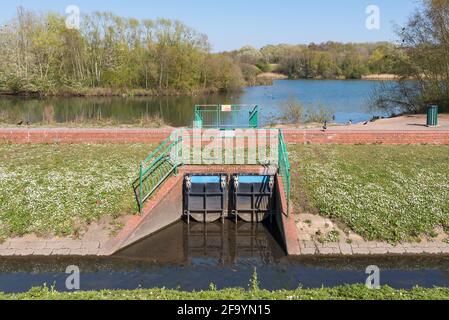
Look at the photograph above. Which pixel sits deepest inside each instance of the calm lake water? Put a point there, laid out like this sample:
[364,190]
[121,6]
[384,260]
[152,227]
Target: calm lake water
[348,100]
[191,257]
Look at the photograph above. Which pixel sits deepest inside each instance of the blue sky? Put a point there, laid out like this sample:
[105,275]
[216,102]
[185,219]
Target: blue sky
[231,24]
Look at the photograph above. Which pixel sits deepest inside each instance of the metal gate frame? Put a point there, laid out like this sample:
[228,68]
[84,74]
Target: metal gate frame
[213,116]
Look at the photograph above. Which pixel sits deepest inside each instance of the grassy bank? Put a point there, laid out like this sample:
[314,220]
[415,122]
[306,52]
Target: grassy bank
[110,92]
[354,292]
[60,189]
[391,193]
[155,122]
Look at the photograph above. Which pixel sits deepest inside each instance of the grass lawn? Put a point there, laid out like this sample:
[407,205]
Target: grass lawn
[354,292]
[388,193]
[60,189]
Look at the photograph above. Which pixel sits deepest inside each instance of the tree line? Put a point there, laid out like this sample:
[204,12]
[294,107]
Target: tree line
[40,54]
[330,60]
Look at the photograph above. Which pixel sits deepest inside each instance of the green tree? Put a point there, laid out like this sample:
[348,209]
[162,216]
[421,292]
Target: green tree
[425,58]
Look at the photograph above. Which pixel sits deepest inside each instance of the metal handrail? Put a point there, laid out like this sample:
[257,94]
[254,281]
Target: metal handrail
[159,158]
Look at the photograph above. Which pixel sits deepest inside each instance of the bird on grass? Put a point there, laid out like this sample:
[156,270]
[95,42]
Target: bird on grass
[20,123]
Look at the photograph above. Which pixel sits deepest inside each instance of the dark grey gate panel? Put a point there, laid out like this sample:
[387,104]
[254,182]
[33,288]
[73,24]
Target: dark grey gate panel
[252,197]
[205,197]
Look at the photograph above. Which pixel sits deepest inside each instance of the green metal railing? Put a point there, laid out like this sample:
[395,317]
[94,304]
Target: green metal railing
[227,116]
[156,168]
[284,168]
[168,157]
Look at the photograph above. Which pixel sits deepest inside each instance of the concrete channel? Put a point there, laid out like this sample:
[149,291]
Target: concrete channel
[207,194]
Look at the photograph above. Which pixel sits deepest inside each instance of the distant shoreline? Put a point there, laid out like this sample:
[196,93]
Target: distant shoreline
[381,77]
[109,92]
[272,76]
[263,79]
[280,76]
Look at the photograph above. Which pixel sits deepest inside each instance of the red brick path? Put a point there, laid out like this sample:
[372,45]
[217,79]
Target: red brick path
[76,136]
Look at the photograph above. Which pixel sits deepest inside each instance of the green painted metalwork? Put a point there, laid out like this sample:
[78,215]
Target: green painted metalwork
[254,118]
[432,116]
[156,168]
[168,157]
[284,168]
[226,116]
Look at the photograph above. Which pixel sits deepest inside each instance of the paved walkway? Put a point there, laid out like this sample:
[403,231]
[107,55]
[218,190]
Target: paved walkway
[403,123]
[52,248]
[96,241]
[311,227]
[401,130]
[371,248]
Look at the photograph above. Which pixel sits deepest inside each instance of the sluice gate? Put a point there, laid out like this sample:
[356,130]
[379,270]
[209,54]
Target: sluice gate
[208,198]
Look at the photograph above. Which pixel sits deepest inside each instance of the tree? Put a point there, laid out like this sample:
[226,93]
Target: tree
[425,59]
[39,54]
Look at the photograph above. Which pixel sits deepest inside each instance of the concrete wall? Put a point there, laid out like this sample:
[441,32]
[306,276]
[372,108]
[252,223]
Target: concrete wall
[162,210]
[166,208]
[286,222]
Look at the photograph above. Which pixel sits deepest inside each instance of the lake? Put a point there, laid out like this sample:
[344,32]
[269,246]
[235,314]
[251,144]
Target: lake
[348,100]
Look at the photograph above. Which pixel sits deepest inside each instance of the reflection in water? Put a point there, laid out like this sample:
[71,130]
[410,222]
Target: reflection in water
[175,111]
[348,100]
[209,243]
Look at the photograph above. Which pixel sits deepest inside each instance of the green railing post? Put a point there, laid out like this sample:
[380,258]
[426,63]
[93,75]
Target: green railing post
[177,162]
[141,187]
[284,168]
[198,117]
[254,118]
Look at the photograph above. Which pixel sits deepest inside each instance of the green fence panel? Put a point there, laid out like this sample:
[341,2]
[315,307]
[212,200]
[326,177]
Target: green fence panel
[226,116]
